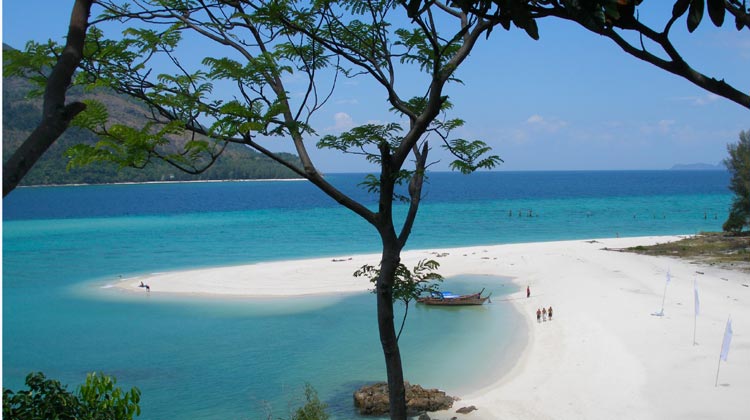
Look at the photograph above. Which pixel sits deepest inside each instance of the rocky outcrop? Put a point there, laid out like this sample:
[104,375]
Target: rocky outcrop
[373,399]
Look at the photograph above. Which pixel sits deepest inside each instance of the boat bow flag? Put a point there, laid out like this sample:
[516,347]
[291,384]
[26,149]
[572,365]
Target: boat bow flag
[727,340]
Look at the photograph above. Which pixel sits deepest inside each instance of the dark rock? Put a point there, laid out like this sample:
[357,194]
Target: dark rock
[424,416]
[373,399]
[466,410]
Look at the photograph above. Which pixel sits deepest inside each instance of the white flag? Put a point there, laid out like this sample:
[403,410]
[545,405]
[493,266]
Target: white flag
[697,300]
[727,340]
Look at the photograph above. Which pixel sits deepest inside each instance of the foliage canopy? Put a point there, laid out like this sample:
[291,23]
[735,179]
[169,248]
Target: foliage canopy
[738,164]
[408,285]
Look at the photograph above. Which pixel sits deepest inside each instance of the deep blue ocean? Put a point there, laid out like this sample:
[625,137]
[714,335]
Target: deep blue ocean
[249,359]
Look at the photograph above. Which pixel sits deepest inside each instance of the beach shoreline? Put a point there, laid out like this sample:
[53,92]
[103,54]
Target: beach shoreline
[197,181]
[605,354]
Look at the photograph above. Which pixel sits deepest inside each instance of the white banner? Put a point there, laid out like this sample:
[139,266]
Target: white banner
[727,340]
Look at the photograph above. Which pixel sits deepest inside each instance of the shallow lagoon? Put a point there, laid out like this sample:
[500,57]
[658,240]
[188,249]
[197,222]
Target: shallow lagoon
[204,358]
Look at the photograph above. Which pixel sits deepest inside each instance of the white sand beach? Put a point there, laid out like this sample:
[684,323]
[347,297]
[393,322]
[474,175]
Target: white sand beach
[603,356]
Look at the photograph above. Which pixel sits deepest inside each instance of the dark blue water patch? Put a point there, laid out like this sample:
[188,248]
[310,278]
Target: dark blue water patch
[156,199]
[182,198]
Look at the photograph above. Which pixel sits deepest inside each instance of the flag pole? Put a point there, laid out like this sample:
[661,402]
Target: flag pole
[717,372]
[663,298]
[696,304]
[664,295]
[695,326]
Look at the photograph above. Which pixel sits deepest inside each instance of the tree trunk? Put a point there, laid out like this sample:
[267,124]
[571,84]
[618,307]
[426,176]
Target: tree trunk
[56,116]
[388,340]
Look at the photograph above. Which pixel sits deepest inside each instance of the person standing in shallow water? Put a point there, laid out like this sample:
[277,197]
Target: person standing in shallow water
[544,314]
[528,291]
[538,315]
[549,313]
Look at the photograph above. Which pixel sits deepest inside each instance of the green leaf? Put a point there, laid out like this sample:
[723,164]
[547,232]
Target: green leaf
[679,8]
[471,155]
[716,11]
[93,117]
[611,10]
[408,284]
[532,29]
[695,15]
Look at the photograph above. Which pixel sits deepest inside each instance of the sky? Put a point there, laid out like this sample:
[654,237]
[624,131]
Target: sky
[570,101]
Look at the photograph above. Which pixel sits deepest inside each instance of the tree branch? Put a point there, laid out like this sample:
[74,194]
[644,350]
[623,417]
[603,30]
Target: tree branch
[415,193]
[56,115]
[676,65]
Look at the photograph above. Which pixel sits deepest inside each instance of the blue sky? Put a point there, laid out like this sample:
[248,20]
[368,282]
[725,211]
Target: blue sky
[570,101]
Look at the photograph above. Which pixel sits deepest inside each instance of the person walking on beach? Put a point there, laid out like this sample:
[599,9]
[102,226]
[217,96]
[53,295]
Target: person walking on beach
[549,312]
[538,315]
[544,314]
[528,291]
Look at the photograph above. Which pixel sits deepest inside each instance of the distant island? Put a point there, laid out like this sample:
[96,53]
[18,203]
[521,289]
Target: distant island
[698,167]
[21,114]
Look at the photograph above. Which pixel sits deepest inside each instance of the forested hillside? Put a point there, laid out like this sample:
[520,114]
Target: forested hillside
[20,116]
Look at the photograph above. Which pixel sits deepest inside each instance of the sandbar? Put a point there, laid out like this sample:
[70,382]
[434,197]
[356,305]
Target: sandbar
[605,355]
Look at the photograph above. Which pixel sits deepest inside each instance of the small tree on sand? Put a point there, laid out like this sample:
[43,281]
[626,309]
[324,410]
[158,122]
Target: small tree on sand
[738,164]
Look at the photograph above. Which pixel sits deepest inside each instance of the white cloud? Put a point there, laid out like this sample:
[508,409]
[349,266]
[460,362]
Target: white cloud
[341,122]
[550,125]
[518,136]
[535,119]
[664,126]
[700,100]
[661,127]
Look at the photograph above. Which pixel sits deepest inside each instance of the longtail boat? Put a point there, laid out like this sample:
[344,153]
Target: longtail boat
[448,299]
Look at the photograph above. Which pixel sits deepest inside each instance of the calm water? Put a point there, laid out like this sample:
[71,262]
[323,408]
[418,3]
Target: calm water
[244,359]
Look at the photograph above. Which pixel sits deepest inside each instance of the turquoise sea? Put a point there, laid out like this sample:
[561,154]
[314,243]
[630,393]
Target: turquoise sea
[249,359]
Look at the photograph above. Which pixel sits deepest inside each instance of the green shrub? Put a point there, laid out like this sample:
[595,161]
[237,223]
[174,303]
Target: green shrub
[313,409]
[734,223]
[96,399]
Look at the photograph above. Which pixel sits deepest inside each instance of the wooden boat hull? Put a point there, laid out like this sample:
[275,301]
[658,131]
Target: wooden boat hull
[475,299]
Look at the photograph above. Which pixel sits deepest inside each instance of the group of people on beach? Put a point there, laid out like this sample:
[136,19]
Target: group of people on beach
[542,314]
[148,288]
